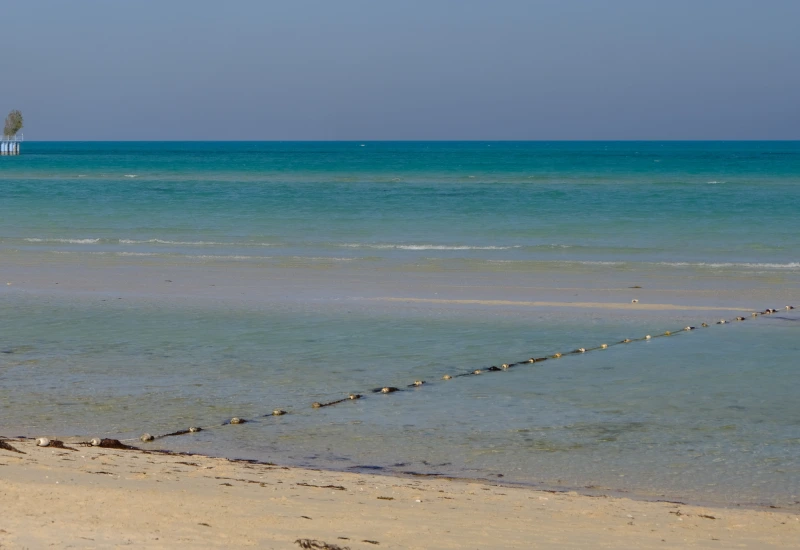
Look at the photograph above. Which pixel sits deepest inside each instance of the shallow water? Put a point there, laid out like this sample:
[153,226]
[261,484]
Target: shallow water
[232,282]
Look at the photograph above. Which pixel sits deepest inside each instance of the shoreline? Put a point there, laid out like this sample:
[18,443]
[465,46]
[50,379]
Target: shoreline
[100,497]
[588,491]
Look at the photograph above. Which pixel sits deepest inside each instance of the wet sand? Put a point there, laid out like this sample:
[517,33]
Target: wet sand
[91,497]
[633,306]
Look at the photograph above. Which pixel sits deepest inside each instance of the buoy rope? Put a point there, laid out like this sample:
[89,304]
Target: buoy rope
[418,383]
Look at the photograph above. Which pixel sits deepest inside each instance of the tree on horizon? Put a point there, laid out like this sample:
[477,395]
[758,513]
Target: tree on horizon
[13,124]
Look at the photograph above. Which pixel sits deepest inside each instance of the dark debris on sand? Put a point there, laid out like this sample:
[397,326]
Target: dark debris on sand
[319,545]
[111,444]
[8,447]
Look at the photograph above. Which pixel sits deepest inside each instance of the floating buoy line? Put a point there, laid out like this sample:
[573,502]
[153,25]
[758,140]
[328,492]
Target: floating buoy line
[147,438]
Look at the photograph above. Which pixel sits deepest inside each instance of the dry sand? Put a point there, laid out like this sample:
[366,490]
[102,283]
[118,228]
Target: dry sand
[94,497]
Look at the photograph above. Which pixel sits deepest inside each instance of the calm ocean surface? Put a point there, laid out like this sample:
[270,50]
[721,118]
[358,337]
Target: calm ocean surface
[199,281]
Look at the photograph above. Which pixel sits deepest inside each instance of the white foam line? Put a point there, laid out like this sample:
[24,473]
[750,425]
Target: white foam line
[791,265]
[191,243]
[424,246]
[65,241]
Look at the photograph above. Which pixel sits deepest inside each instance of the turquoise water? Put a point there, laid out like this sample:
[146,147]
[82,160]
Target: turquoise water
[642,202]
[153,286]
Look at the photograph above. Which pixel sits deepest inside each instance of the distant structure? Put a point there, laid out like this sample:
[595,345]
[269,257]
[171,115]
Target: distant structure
[10,142]
[10,145]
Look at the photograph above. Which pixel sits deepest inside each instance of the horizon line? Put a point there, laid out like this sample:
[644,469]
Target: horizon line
[406,140]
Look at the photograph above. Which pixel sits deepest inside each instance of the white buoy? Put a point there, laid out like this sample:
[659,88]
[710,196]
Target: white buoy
[194,429]
[95,441]
[446,377]
[42,442]
[634,301]
[146,437]
[647,337]
[604,346]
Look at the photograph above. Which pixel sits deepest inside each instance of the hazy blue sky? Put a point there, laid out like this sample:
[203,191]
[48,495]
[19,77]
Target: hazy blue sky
[407,69]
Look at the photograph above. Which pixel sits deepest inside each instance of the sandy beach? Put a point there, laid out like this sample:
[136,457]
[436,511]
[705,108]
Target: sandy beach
[91,497]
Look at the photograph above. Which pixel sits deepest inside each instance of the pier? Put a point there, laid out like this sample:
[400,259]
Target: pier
[10,145]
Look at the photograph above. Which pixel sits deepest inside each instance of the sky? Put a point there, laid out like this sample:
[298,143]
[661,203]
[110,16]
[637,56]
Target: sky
[402,69]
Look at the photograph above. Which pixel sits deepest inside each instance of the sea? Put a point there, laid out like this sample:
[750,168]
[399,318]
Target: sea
[149,287]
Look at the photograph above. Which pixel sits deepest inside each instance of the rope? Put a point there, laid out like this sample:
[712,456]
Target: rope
[351,397]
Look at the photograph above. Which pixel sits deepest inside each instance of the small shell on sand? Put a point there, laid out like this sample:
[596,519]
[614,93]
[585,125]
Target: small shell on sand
[237,420]
[146,437]
[42,442]
[95,441]
[195,429]
[278,412]
[446,377]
